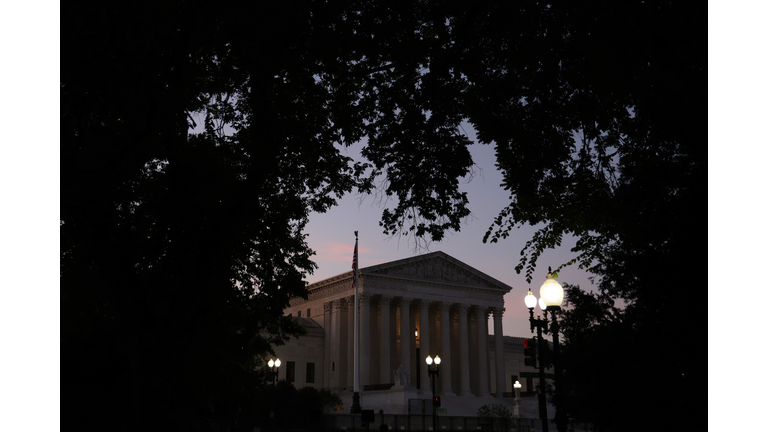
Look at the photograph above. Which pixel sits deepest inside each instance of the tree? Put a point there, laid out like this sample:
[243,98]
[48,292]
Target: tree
[497,414]
[330,401]
[178,254]
[180,251]
[598,114]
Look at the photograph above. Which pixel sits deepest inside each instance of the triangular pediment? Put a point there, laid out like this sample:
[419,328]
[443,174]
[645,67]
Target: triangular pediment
[436,267]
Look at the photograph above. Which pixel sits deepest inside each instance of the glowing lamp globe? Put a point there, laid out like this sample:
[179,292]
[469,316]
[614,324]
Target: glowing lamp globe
[429,360]
[518,385]
[530,300]
[277,362]
[542,305]
[551,292]
[437,360]
[271,363]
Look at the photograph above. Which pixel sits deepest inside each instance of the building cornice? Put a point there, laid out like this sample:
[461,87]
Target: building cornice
[418,276]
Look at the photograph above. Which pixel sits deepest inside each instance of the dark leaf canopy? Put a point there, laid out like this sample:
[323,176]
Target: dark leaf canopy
[596,110]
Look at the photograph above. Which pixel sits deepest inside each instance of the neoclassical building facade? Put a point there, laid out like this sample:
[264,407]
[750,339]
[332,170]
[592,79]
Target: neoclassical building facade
[431,304]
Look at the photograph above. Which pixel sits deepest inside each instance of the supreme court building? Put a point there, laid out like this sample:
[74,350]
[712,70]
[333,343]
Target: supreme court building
[431,304]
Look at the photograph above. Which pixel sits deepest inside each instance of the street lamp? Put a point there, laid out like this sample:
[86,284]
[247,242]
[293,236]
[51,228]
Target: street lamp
[550,301]
[551,292]
[274,367]
[516,412]
[530,300]
[434,370]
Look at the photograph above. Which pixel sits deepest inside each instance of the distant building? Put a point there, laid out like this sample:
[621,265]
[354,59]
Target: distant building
[441,305]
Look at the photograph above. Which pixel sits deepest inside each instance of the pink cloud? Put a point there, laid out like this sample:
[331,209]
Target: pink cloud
[338,252]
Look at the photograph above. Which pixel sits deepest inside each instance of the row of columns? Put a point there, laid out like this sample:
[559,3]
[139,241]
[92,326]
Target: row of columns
[339,353]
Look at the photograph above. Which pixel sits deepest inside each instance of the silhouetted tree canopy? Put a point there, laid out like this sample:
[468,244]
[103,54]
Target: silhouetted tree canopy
[598,112]
[179,250]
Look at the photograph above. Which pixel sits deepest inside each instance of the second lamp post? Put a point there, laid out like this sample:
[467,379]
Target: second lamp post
[274,367]
[550,301]
[434,370]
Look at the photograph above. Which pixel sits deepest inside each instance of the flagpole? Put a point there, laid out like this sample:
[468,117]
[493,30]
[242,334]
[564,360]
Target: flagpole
[356,408]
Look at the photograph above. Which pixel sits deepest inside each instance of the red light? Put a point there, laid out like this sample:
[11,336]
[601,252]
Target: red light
[525,343]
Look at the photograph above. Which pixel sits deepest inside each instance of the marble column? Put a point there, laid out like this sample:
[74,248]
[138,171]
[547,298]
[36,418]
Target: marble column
[498,338]
[365,339]
[482,350]
[464,387]
[385,369]
[445,349]
[424,346]
[343,364]
[405,333]
[327,307]
[335,342]
[350,342]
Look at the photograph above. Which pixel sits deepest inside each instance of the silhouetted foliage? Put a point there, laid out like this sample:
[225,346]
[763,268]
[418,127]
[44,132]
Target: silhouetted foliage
[283,407]
[179,251]
[496,415]
[598,112]
[494,411]
[617,359]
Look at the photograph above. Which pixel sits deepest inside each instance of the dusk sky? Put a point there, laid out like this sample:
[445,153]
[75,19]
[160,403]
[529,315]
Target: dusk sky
[332,236]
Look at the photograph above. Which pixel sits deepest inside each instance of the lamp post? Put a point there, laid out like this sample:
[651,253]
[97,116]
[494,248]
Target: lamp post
[539,324]
[550,301]
[434,370]
[516,412]
[274,367]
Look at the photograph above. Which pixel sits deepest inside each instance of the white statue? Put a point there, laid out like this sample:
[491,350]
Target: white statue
[402,377]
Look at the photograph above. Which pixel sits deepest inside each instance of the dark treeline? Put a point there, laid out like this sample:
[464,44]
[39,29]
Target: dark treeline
[180,251]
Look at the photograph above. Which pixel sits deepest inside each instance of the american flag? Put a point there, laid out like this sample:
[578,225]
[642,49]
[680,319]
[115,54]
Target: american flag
[354,266]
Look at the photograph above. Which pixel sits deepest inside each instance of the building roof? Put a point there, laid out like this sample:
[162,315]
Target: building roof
[308,322]
[434,276]
[443,268]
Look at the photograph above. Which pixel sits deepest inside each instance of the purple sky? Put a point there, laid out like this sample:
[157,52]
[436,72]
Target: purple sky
[331,235]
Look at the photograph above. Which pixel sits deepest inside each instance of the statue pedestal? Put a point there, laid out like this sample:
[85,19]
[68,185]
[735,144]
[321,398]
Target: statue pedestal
[392,401]
[356,408]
